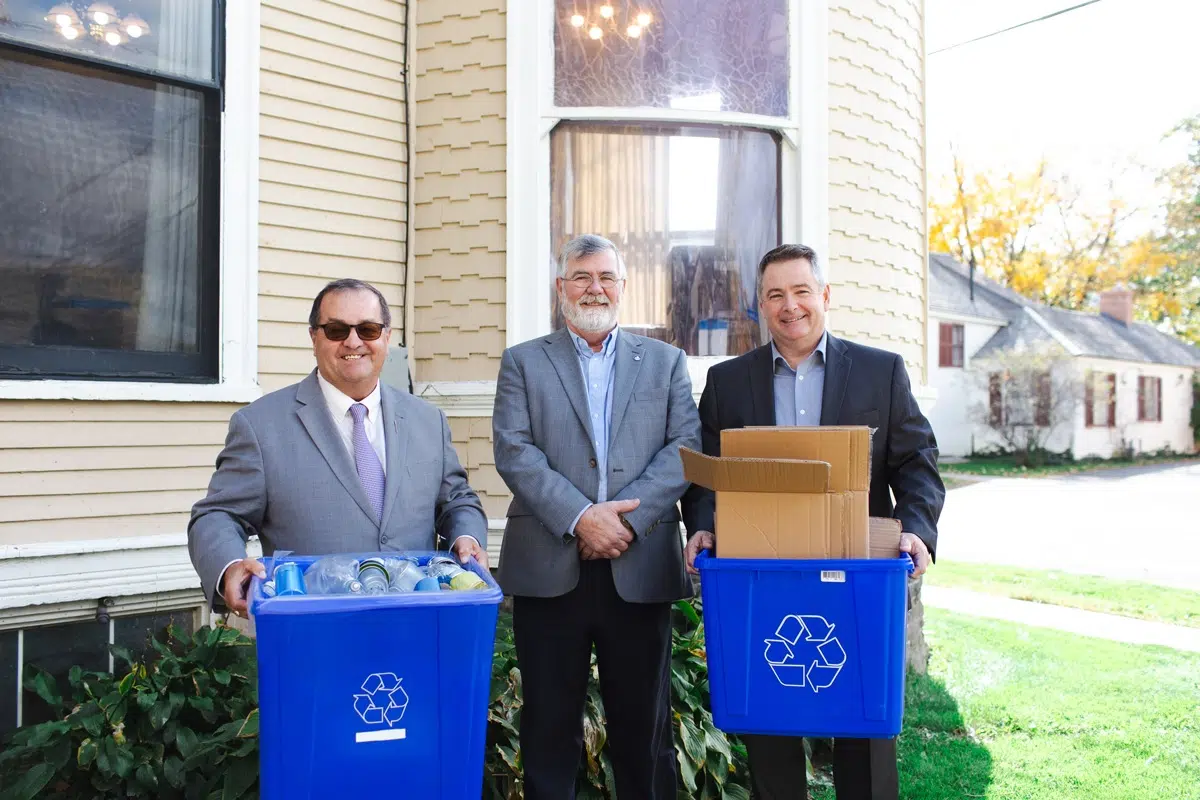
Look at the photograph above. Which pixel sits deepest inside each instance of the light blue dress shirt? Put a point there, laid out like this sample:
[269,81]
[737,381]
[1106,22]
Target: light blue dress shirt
[798,391]
[598,382]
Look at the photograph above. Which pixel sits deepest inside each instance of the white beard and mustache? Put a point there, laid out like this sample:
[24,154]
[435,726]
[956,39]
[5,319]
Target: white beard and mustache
[592,314]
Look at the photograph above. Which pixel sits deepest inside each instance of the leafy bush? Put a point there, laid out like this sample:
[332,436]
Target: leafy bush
[184,725]
[711,765]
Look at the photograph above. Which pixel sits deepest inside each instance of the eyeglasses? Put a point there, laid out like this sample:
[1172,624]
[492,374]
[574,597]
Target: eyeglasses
[583,280]
[340,331]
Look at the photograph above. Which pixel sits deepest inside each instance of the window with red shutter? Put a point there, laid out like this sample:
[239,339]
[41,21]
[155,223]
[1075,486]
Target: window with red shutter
[1089,399]
[995,400]
[950,345]
[1044,399]
[1111,388]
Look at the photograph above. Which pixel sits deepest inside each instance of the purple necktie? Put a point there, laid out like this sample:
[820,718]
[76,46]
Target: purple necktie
[370,471]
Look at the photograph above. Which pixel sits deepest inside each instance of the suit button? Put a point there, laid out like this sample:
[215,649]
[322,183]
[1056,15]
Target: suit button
[383,540]
[591,462]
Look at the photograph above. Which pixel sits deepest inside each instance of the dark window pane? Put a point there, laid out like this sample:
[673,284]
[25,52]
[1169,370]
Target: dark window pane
[56,649]
[8,683]
[705,55]
[692,210]
[173,37]
[102,223]
[134,633]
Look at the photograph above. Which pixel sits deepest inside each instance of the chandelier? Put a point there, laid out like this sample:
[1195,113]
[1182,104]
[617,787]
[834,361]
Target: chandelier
[98,20]
[606,21]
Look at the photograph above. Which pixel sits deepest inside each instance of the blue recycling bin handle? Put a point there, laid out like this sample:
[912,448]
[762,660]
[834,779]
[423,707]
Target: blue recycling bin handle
[707,554]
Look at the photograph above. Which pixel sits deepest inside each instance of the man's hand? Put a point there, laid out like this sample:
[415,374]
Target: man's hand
[237,583]
[911,543]
[600,531]
[701,540]
[466,547]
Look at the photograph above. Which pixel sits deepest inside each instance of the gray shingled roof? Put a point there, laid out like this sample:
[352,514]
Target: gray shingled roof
[950,291]
[1089,334]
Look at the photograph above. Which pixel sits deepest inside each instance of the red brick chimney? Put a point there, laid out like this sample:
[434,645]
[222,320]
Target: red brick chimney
[1117,304]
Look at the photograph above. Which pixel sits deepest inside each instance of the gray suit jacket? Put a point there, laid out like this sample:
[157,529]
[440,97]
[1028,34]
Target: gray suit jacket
[543,446]
[285,475]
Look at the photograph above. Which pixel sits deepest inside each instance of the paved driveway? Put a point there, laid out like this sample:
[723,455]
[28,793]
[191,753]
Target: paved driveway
[1141,523]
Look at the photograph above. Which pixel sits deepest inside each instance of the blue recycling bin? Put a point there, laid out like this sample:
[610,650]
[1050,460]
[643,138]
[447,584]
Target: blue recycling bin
[374,696]
[806,647]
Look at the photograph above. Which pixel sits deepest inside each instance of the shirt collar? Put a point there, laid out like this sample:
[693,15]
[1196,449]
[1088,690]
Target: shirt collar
[585,349]
[339,403]
[776,357]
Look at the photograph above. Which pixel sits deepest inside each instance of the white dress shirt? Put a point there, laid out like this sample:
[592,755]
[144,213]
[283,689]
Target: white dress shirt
[339,409]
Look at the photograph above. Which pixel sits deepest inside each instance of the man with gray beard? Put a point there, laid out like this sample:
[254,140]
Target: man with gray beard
[587,428]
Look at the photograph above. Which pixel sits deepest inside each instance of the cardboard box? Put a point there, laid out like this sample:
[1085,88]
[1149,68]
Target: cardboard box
[884,534]
[847,451]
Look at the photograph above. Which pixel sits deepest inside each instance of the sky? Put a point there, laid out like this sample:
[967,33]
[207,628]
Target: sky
[1092,91]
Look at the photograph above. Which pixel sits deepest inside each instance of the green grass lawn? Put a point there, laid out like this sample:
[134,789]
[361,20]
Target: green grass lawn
[1015,713]
[1127,598]
[1005,466]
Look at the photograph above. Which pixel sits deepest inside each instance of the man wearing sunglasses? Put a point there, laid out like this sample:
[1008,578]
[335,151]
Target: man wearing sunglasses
[337,463]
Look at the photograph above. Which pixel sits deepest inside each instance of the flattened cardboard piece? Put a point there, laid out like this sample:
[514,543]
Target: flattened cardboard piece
[885,537]
[754,474]
[846,448]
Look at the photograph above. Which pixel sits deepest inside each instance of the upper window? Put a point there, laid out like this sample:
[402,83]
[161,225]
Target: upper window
[110,151]
[692,209]
[950,345]
[723,55]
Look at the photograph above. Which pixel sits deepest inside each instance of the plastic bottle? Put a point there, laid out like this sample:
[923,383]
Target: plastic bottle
[373,576]
[403,574]
[333,575]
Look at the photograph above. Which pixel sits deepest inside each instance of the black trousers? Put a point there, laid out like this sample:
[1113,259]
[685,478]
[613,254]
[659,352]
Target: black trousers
[863,769]
[554,638]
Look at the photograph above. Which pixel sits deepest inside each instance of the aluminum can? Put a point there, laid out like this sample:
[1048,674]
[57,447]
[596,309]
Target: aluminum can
[289,580]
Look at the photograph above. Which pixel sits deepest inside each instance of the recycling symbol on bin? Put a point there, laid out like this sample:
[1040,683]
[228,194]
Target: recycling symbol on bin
[384,699]
[804,652]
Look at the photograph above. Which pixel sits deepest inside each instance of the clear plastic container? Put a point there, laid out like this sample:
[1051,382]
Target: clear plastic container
[333,575]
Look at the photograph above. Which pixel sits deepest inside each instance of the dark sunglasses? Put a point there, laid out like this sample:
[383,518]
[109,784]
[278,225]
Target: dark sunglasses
[340,331]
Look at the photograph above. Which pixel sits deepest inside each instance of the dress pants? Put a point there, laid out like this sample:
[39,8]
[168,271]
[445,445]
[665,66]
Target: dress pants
[863,769]
[554,638]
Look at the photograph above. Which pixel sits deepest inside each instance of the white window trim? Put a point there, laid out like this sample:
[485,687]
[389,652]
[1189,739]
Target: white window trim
[531,115]
[238,346]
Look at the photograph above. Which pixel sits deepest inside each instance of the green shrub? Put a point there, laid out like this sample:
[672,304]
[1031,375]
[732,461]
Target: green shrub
[711,764]
[183,725]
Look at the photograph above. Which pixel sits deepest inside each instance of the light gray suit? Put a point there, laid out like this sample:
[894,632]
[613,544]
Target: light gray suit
[543,448]
[285,475]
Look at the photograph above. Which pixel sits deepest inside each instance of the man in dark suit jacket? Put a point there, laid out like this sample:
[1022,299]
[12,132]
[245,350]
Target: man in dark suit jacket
[804,376]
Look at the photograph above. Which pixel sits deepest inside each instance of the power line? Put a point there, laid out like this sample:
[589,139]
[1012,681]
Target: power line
[1014,27]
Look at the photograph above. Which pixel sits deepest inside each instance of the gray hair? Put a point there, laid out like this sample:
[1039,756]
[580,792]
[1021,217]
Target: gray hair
[792,252]
[587,245]
[344,285]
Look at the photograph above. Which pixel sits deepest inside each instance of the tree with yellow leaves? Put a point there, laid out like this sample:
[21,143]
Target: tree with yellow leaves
[1174,289]
[1039,236]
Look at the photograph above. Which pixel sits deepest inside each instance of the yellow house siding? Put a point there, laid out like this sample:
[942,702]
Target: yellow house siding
[72,470]
[472,438]
[877,175]
[332,166]
[459,186]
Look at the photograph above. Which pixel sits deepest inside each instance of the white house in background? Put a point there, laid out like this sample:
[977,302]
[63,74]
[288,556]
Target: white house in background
[1137,380]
